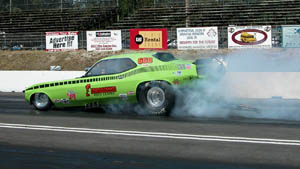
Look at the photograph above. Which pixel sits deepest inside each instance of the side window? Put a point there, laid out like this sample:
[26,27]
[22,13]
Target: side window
[111,66]
[164,56]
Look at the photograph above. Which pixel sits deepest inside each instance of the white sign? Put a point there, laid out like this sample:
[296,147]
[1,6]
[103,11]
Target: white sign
[197,38]
[291,36]
[60,41]
[249,37]
[108,40]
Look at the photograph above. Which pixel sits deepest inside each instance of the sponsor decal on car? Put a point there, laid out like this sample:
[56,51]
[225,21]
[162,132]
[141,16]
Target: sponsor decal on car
[92,105]
[72,95]
[123,96]
[63,101]
[176,82]
[177,73]
[100,91]
[181,67]
[131,93]
[188,66]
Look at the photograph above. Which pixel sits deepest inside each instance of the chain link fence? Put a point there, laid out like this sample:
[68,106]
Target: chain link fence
[37,41]
[182,3]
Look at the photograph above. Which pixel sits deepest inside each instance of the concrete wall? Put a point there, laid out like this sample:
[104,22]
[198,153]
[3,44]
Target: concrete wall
[18,80]
[236,84]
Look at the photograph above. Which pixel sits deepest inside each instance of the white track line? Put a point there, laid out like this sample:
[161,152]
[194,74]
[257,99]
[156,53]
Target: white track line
[153,134]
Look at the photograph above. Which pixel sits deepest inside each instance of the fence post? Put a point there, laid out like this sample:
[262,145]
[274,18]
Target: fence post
[42,33]
[187,13]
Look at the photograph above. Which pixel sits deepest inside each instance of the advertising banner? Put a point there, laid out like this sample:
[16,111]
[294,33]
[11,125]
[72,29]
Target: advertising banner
[60,41]
[148,39]
[291,36]
[107,40]
[197,38]
[249,37]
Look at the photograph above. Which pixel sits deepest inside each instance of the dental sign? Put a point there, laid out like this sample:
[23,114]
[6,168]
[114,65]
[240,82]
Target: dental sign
[249,37]
[197,38]
[104,40]
[148,39]
[61,41]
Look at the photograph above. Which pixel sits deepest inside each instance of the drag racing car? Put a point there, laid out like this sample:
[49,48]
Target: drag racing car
[147,79]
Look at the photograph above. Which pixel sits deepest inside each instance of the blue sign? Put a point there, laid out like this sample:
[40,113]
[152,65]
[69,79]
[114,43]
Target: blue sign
[291,36]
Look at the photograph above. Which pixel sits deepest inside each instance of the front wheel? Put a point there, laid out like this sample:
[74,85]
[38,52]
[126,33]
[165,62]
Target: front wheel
[156,98]
[41,101]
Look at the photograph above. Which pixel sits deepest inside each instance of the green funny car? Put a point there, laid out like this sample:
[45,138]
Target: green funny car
[143,78]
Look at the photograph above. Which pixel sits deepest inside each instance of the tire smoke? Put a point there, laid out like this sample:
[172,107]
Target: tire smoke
[258,83]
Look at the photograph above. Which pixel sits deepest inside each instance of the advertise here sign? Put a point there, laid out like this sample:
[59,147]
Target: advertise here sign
[104,40]
[291,36]
[197,38]
[60,41]
[249,37]
[148,39]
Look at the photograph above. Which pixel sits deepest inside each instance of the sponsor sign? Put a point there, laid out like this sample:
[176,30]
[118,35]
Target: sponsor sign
[197,38]
[60,41]
[291,36]
[148,39]
[249,37]
[108,40]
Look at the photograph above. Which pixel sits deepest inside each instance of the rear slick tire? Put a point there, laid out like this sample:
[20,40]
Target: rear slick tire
[156,98]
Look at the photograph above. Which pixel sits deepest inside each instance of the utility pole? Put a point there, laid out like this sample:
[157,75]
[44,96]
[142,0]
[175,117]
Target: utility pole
[187,13]
[119,9]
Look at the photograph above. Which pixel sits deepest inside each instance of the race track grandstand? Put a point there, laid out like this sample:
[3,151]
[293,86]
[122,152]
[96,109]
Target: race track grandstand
[27,27]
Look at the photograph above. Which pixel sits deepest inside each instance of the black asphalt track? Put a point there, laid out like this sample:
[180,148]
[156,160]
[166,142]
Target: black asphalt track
[28,148]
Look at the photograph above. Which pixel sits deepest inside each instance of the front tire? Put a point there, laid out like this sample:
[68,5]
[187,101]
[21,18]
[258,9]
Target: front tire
[41,101]
[156,98]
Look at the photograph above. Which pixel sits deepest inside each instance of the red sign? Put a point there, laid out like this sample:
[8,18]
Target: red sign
[110,89]
[148,39]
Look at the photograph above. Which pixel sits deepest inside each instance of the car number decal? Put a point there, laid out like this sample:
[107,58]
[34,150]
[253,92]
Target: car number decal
[145,60]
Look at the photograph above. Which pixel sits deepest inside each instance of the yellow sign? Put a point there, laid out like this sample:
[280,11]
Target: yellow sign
[151,39]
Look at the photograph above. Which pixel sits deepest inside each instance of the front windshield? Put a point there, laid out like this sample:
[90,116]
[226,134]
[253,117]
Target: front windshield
[111,66]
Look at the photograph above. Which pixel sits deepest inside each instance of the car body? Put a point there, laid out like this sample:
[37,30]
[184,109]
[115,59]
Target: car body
[116,79]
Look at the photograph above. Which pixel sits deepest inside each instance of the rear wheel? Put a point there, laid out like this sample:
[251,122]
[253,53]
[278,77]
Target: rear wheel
[156,98]
[41,101]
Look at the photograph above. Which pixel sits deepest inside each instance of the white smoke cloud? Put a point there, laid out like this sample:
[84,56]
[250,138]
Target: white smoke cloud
[253,77]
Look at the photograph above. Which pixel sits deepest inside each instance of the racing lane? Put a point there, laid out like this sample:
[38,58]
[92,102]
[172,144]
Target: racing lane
[79,139]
